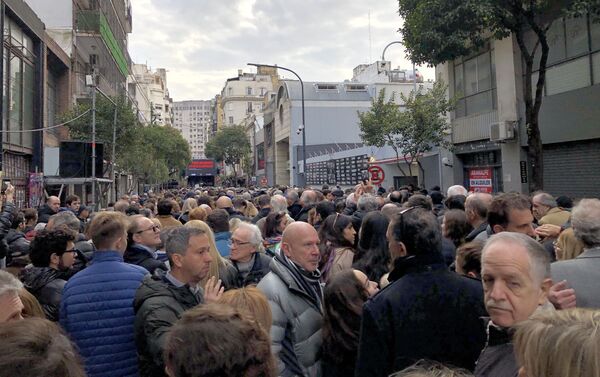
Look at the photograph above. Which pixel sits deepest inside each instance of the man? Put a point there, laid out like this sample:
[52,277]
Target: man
[515,271]
[456,190]
[143,238]
[96,307]
[164,209]
[247,255]
[509,213]
[218,221]
[11,306]
[50,208]
[225,203]
[295,296]
[293,206]
[476,209]
[427,312]
[546,211]
[52,255]
[582,274]
[278,204]
[161,299]
[264,203]
[73,203]
[18,244]
[308,200]
[366,203]
[121,205]
[85,248]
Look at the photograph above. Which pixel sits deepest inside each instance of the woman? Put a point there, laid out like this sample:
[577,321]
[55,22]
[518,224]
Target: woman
[275,223]
[252,302]
[220,268]
[337,237]
[188,205]
[343,302]
[455,228]
[562,343]
[373,255]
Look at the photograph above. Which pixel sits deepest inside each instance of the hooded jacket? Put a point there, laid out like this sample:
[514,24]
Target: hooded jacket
[158,305]
[46,284]
[297,319]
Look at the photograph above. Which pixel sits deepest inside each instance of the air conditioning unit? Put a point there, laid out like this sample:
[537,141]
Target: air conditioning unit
[502,131]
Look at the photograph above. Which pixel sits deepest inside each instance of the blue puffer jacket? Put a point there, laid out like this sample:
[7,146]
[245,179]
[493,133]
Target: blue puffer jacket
[97,312]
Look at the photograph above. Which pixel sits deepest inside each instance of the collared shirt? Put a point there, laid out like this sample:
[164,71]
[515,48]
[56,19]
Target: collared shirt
[195,290]
[148,249]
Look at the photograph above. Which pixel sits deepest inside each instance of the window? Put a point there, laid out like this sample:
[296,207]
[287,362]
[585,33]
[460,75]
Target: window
[356,88]
[230,91]
[263,91]
[249,91]
[230,120]
[326,87]
[249,110]
[474,84]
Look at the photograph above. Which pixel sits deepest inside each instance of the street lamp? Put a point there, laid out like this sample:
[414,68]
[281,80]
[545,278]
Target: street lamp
[302,127]
[413,63]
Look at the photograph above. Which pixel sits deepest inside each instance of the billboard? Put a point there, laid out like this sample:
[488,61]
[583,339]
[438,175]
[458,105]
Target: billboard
[480,180]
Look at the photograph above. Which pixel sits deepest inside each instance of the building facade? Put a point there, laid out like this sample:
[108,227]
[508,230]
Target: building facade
[194,120]
[154,104]
[488,130]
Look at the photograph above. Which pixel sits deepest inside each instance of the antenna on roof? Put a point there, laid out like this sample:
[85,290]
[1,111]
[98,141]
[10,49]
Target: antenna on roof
[370,44]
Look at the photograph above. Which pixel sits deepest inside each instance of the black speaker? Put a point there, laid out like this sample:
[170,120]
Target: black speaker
[75,159]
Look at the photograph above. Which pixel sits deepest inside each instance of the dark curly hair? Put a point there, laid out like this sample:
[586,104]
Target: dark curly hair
[47,243]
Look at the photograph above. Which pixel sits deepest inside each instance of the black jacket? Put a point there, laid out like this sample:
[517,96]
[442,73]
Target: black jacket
[259,269]
[46,284]
[18,245]
[427,312]
[158,305]
[303,214]
[6,218]
[140,256]
[44,214]
[498,357]
[294,210]
[264,212]
[481,228]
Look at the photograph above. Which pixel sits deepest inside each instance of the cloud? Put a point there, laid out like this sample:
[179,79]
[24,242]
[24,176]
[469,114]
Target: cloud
[203,42]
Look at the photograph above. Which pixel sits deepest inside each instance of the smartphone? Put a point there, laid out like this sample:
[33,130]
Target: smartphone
[5,183]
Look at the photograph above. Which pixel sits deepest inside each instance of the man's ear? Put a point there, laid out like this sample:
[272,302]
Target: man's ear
[546,284]
[402,249]
[285,247]
[54,258]
[471,274]
[498,229]
[177,259]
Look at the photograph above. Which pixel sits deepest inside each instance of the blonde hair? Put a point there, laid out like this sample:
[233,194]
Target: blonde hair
[250,210]
[234,223]
[188,205]
[569,245]
[427,368]
[252,302]
[31,306]
[197,213]
[218,261]
[106,228]
[564,343]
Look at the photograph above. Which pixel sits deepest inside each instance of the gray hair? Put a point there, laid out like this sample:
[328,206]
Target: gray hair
[178,239]
[585,219]
[367,203]
[309,197]
[292,195]
[539,259]
[65,218]
[456,190]
[256,239]
[278,204]
[546,199]
[9,284]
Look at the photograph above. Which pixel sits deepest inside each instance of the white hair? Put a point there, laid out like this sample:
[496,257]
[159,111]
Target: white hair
[585,219]
[456,190]
[278,204]
[256,239]
[9,284]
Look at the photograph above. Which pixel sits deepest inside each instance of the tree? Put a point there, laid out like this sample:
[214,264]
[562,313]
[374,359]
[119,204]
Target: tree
[229,145]
[437,31]
[412,132]
[153,153]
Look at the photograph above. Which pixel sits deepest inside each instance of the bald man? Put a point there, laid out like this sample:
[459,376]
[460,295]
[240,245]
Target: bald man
[295,296]
[50,208]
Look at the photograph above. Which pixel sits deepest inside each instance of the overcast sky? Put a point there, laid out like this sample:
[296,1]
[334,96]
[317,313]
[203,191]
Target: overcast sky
[203,42]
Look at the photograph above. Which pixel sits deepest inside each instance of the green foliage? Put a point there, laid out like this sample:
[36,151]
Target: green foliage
[410,133]
[153,153]
[229,145]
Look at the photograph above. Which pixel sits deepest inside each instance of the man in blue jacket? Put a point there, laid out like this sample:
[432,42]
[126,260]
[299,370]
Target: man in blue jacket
[97,303]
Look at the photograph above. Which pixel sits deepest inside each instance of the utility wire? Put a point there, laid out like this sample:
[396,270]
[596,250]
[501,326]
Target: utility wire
[48,128]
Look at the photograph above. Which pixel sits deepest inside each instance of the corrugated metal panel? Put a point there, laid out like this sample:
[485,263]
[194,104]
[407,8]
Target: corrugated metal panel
[572,169]
[472,128]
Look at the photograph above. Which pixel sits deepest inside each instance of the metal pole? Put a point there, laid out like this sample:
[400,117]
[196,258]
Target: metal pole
[413,63]
[2,73]
[113,189]
[94,139]
[303,125]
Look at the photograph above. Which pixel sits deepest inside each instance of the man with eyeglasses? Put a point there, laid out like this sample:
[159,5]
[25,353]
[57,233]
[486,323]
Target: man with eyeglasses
[427,311]
[52,255]
[143,238]
[247,255]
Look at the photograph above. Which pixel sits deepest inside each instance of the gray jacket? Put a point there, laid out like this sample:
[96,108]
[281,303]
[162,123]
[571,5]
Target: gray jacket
[297,321]
[583,275]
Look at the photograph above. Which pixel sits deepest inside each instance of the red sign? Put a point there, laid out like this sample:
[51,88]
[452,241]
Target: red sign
[201,164]
[480,180]
[377,174]
[264,181]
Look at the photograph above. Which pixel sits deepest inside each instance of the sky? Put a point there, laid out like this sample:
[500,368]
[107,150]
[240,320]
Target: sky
[202,43]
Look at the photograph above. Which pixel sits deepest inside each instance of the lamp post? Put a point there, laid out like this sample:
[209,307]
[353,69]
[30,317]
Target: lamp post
[413,63]
[302,127]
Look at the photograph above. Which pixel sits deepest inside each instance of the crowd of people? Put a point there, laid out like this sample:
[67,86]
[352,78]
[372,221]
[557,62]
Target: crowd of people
[302,282]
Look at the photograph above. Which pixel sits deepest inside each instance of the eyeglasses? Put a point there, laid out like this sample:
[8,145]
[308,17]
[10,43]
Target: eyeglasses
[401,219]
[236,243]
[153,228]
[74,251]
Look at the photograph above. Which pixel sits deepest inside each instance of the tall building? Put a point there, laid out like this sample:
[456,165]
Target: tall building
[154,104]
[93,33]
[194,119]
